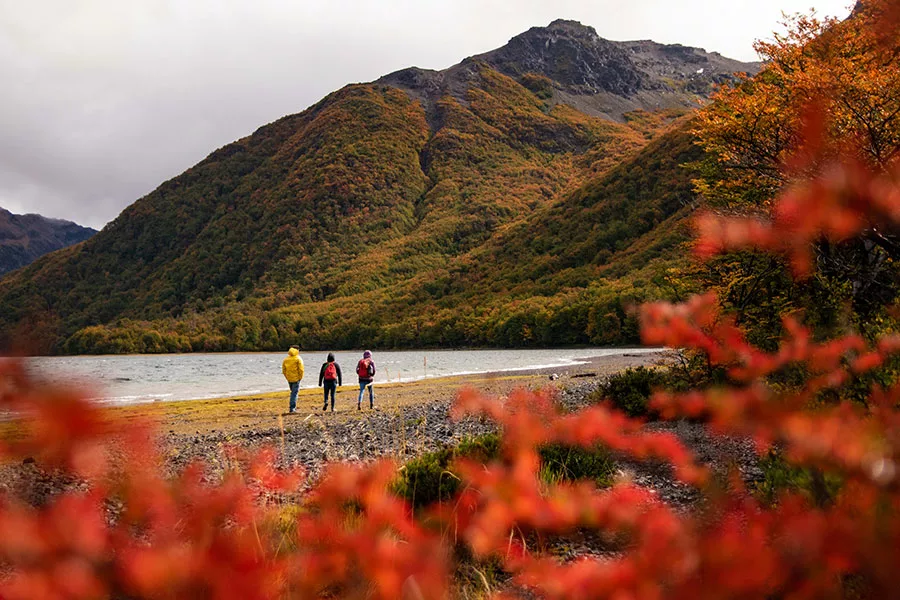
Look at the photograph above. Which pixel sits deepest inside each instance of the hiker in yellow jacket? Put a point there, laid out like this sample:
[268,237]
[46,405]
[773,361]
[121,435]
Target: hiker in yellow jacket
[292,368]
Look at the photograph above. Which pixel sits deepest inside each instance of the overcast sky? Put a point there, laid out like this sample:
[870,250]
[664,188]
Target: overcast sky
[102,100]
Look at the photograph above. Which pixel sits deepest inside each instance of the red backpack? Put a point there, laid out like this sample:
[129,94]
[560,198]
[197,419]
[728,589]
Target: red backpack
[362,368]
[330,372]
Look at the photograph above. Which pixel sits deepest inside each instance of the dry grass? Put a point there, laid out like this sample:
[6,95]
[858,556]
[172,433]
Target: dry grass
[264,410]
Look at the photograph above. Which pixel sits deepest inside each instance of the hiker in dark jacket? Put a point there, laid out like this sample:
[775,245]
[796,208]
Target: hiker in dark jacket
[330,375]
[365,369]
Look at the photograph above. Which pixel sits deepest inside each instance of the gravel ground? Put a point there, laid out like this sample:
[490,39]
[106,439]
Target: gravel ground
[406,430]
[320,438]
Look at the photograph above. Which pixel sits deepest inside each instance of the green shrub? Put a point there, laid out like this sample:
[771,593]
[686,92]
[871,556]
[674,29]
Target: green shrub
[779,477]
[630,390]
[483,447]
[429,478]
[569,463]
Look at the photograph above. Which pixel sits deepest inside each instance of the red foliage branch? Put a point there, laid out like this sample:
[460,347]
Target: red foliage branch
[834,206]
[386,553]
[187,537]
[794,548]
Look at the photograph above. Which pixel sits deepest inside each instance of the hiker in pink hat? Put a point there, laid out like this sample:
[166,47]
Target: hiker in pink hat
[365,369]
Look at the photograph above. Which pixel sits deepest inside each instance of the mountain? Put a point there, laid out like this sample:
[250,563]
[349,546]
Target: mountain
[479,205]
[23,238]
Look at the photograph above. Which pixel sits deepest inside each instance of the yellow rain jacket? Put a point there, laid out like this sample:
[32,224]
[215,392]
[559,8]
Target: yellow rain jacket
[292,367]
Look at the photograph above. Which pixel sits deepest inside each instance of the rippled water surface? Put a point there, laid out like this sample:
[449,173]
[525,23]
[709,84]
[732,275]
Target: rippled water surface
[148,378]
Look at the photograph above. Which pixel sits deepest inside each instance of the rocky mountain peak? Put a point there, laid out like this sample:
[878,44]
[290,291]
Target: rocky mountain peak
[571,54]
[597,76]
[571,28]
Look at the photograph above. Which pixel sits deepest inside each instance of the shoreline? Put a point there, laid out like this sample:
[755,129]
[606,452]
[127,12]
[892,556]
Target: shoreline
[410,418]
[123,383]
[239,413]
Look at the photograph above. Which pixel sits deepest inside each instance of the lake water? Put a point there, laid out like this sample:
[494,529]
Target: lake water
[150,378]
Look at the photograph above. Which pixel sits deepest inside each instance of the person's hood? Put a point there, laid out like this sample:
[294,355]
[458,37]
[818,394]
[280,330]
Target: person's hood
[330,357]
[367,354]
[293,352]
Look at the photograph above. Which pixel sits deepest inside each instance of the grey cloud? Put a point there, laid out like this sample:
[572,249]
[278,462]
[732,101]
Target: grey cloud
[105,99]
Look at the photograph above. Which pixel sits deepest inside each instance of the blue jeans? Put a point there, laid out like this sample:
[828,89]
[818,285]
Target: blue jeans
[295,387]
[362,389]
[330,386]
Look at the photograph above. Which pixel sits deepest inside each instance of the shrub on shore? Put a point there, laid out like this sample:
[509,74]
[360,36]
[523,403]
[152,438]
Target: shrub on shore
[560,462]
[630,390]
[427,478]
[431,477]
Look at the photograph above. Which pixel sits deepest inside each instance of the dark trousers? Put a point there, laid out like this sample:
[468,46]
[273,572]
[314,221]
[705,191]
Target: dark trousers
[330,386]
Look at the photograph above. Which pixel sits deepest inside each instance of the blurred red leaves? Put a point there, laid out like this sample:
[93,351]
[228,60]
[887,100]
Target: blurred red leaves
[835,206]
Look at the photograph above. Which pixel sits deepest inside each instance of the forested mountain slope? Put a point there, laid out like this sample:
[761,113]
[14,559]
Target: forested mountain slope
[568,273]
[417,210]
[23,238]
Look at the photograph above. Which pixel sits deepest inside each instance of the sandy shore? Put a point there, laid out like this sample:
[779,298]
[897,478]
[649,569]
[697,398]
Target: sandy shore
[268,411]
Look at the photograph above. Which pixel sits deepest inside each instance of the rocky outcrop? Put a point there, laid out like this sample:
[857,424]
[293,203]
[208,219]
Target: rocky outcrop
[574,57]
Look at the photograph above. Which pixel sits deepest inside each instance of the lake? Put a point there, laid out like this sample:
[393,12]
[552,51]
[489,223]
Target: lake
[156,377]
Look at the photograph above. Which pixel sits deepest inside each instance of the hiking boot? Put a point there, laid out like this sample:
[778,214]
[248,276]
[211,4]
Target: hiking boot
[358,407]
[324,408]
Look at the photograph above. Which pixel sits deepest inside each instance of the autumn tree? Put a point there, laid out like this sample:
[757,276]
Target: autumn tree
[830,93]
[760,132]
